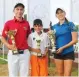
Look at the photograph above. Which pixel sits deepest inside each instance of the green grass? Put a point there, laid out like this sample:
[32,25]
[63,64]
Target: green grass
[53,72]
[74,71]
[51,68]
[2,61]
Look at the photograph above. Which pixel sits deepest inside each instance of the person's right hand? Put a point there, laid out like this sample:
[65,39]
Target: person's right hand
[49,32]
[11,47]
[37,50]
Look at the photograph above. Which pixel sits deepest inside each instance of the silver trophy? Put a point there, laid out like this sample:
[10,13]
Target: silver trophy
[51,35]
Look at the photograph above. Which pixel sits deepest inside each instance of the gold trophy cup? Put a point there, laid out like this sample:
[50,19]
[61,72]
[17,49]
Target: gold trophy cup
[11,34]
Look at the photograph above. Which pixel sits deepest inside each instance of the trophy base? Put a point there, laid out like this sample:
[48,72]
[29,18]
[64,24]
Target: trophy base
[39,55]
[52,51]
[15,52]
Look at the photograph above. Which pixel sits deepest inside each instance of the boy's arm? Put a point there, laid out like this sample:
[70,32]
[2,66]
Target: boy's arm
[34,50]
[47,43]
[46,51]
[30,45]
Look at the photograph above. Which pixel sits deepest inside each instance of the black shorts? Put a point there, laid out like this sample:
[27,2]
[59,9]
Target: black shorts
[69,55]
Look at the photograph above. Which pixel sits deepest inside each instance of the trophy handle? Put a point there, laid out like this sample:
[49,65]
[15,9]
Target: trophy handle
[50,25]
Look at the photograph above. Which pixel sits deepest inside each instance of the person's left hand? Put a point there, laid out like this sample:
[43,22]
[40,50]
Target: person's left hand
[59,50]
[43,55]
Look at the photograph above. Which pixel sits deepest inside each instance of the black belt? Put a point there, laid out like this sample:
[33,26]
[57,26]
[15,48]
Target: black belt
[20,51]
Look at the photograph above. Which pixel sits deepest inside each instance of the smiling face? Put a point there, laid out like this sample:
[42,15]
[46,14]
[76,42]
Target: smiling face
[18,11]
[38,28]
[60,15]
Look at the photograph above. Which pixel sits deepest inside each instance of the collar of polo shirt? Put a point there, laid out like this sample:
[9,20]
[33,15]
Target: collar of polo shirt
[18,20]
[63,23]
[38,36]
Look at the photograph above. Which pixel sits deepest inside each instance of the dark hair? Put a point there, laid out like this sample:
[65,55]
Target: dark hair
[37,22]
[66,20]
[19,4]
[59,9]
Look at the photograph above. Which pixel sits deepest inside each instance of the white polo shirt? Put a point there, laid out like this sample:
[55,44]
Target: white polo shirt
[44,41]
